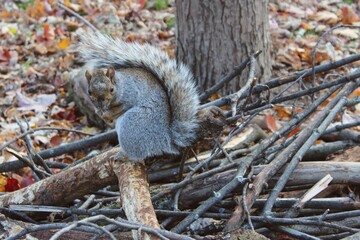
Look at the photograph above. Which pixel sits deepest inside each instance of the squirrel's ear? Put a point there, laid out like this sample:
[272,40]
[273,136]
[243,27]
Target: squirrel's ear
[88,76]
[110,73]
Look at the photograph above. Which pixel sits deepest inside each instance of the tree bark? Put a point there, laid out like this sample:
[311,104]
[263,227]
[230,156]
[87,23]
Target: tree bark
[306,173]
[135,196]
[215,36]
[62,188]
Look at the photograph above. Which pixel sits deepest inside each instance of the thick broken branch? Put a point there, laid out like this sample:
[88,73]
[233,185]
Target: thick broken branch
[64,187]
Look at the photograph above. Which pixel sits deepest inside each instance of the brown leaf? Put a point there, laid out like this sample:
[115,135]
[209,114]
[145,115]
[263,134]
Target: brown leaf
[320,56]
[289,57]
[271,123]
[55,141]
[327,17]
[61,113]
[282,112]
[349,16]
[347,32]
[36,10]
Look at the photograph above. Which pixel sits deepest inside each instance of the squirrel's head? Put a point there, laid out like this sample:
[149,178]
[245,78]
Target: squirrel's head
[101,87]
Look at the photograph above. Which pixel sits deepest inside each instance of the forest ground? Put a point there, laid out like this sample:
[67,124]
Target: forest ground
[37,54]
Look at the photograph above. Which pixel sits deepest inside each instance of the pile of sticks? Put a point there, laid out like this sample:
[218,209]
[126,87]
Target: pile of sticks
[226,187]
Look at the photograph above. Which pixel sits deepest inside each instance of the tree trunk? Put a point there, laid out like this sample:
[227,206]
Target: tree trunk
[215,36]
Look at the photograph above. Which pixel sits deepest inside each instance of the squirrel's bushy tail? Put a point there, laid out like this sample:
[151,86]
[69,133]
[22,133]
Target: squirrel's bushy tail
[101,51]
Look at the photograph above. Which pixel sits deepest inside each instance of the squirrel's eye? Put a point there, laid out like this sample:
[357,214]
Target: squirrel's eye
[111,89]
[90,92]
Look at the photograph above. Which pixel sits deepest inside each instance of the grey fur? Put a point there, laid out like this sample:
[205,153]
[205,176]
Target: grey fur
[160,118]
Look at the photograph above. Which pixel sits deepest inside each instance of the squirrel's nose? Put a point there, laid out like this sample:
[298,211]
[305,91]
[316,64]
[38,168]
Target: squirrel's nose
[101,99]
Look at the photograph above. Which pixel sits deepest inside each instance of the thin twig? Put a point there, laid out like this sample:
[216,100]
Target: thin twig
[286,154]
[234,98]
[235,72]
[292,221]
[332,109]
[65,148]
[29,163]
[276,82]
[245,206]
[313,52]
[33,130]
[62,6]
[340,127]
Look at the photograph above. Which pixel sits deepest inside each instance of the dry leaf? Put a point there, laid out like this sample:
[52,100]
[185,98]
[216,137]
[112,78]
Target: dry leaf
[320,56]
[282,112]
[349,16]
[12,184]
[355,93]
[326,16]
[347,32]
[289,57]
[330,50]
[293,132]
[36,10]
[39,104]
[64,43]
[56,141]
[3,182]
[271,123]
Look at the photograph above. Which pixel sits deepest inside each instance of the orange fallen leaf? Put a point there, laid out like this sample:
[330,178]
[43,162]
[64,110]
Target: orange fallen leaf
[349,16]
[5,14]
[271,123]
[319,56]
[293,132]
[36,10]
[7,53]
[282,112]
[3,182]
[164,35]
[47,34]
[305,26]
[55,141]
[64,43]
[355,93]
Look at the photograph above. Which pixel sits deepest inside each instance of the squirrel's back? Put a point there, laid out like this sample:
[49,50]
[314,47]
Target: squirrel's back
[100,51]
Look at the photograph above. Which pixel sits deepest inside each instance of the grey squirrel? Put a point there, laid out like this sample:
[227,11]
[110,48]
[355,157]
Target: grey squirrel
[152,98]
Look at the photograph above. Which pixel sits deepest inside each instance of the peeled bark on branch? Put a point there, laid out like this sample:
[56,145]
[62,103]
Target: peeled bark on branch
[305,173]
[86,178]
[64,187]
[135,196]
[101,171]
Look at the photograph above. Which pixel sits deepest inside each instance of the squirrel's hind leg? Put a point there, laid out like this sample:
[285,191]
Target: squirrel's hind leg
[143,133]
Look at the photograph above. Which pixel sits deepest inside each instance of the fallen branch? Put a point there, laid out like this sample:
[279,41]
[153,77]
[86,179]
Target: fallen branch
[285,155]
